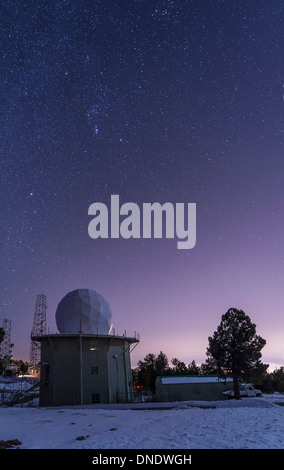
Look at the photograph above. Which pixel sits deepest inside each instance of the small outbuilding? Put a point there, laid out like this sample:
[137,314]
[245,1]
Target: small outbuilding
[192,387]
[11,371]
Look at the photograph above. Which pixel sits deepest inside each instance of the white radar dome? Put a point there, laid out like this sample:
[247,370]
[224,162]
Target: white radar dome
[85,311]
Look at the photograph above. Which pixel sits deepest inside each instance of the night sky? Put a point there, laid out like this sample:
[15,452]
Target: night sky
[155,101]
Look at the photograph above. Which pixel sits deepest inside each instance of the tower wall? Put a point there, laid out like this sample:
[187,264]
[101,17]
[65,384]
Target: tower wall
[85,369]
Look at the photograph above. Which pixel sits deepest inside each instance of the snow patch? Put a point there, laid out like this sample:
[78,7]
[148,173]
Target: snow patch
[253,423]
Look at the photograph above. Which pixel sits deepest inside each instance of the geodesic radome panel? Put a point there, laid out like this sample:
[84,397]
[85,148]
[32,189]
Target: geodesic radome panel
[83,310]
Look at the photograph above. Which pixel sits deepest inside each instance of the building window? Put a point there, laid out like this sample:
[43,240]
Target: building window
[94,370]
[95,398]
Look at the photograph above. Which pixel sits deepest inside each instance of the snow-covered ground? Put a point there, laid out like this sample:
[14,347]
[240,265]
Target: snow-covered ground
[252,423]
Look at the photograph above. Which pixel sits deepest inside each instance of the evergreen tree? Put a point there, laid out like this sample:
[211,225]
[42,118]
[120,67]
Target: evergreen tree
[209,367]
[278,379]
[235,349]
[150,368]
[193,369]
[179,367]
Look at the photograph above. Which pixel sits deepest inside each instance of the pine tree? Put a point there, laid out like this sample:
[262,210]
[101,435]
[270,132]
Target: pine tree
[235,349]
[179,367]
[149,369]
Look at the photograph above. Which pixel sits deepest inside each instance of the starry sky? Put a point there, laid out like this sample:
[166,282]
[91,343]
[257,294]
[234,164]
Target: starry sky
[156,101]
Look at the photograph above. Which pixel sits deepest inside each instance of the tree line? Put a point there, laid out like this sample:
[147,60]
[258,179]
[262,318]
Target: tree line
[152,366]
[7,360]
[234,350]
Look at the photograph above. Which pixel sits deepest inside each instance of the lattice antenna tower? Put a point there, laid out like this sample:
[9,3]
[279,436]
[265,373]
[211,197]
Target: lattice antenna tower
[38,329]
[5,346]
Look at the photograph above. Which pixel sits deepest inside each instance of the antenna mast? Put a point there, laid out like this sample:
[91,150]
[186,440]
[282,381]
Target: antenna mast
[38,329]
[5,346]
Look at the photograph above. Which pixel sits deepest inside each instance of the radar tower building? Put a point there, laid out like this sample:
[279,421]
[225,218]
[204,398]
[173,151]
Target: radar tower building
[86,362]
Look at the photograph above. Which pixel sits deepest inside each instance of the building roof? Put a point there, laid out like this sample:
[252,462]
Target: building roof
[130,339]
[190,379]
